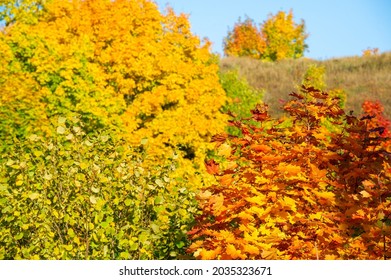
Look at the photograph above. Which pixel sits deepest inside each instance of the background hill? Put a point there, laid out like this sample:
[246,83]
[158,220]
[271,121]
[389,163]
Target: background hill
[362,78]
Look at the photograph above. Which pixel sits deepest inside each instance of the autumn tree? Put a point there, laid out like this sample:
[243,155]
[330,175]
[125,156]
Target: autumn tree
[244,40]
[277,38]
[297,190]
[126,65]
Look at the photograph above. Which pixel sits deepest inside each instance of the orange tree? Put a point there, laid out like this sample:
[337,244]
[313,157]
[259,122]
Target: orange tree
[297,191]
[244,40]
[279,37]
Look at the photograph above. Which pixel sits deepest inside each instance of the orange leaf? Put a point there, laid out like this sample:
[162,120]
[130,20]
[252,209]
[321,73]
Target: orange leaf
[260,148]
[226,180]
[212,167]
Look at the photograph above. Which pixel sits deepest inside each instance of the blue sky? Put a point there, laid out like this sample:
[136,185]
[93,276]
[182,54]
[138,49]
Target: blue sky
[336,28]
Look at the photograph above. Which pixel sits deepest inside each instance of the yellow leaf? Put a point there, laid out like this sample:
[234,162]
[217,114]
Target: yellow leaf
[33,196]
[289,169]
[245,216]
[325,195]
[330,257]
[92,199]
[19,183]
[260,199]
[269,255]
[218,203]
[207,254]
[365,194]
[251,249]
[368,184]
[224,150]
[291,203]
[233,252]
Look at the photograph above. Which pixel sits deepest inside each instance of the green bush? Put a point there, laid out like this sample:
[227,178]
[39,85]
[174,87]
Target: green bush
[243,97]
[87,196]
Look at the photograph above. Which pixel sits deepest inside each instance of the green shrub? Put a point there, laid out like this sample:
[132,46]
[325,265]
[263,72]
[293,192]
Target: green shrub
[243,97]
[87,196]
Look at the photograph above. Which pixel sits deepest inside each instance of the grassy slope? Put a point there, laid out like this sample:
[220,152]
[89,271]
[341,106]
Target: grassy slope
[362,78]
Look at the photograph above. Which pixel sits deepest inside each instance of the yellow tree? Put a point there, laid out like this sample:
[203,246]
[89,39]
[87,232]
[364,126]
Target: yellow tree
[124,64]
[284,38]
[279,37]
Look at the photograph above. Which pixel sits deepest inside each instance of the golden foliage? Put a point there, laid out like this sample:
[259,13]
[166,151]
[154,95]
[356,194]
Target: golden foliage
[127,65]
[279,37]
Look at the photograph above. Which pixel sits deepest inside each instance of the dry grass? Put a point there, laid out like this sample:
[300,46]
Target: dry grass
[362,78]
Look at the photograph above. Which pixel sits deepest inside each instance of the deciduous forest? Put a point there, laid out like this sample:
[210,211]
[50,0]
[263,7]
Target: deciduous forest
[122,136]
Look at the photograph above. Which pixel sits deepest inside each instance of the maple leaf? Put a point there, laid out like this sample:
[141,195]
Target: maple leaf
[325,195]
[233,252]
[224,150]
[218,204]
[291,203]
[251,249]
[289,168]
[226,180]
[269,255]
[208,254]
[365,194]
[212,167]
[219,138]
[260,148]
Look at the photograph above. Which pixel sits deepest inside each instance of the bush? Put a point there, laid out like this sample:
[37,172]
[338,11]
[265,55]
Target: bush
[86,196]
[298,191]
[242,96]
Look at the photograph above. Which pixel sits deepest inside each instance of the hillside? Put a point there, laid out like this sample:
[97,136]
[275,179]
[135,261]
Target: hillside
[362,78]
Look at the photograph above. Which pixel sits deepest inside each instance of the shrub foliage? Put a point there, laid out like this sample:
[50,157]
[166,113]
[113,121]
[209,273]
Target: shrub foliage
[87,196]
[298,191]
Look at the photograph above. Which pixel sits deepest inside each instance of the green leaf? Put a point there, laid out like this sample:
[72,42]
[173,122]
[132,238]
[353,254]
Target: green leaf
[159,199]
[19,236]
[124,255]
[155,228]
[128,202]
[37,153]
[133,247]
[180,244]
[71,233]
